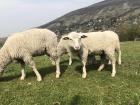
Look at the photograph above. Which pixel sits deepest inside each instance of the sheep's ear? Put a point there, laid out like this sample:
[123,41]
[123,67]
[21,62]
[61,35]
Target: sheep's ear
[83,36]
[66,38]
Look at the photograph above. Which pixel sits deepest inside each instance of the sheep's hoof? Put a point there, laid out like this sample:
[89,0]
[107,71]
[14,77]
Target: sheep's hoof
[22,78]
[70,64]
[119,63]
[109,63]
[112,75]
[99,70]
[84,75]
[39,79]
[57,75]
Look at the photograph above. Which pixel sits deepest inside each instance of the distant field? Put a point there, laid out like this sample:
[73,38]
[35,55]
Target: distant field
[99,88]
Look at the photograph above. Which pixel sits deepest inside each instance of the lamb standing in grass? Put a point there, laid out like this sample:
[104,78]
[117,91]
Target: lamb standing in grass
[106,42]
[65,48]
[22,46]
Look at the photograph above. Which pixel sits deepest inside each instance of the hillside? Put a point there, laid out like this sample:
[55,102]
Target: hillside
[99,88]
[2,40]
[108,14]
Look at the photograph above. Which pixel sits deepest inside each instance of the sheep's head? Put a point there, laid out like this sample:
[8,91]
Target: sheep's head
[75,39]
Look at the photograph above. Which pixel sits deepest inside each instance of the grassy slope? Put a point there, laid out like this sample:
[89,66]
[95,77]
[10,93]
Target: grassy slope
[98,89]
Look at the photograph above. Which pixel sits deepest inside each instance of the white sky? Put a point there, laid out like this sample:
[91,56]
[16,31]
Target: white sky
[18,15]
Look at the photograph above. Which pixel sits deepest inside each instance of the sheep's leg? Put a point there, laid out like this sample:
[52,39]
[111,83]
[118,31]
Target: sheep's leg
[70,58]
[113,69]
[119,53]
[101,67]
[111,56]
[109,62]
[119,58]
[84,61]
[53,62]
[103,57]
[23,74]
[31,63]
[58,68]
[84,69]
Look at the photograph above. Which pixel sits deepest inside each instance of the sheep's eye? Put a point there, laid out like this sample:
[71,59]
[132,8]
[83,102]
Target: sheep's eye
[66,38]
[83,36]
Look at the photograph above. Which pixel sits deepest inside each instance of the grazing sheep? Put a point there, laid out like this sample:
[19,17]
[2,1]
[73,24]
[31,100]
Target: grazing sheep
[104,43]
[22,46]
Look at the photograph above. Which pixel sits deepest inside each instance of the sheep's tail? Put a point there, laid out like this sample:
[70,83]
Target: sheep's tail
[118,49]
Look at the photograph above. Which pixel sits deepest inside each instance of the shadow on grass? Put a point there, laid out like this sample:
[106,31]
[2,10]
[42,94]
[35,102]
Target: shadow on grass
[52,69]
[92,67]
[8,78]
[67,61]
[43,71]
[75,100]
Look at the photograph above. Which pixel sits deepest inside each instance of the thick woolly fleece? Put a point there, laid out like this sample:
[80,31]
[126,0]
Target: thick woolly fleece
[24,45]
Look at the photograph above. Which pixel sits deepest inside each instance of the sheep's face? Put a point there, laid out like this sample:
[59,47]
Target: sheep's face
[75,39]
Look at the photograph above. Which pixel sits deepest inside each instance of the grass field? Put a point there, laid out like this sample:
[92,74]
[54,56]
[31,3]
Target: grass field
[99,88]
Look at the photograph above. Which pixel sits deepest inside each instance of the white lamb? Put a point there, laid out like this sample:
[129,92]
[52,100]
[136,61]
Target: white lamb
[97,42]
[22,46]
[64,47]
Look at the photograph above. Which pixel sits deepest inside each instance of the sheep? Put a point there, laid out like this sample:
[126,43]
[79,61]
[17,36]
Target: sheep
[105,43]
[65,48]
[24,45]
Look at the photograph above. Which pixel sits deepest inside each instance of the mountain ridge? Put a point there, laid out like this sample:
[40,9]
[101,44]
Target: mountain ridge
[105,15]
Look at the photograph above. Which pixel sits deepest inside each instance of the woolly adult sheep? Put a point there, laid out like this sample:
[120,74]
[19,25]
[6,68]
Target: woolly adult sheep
[22,46]
[106,42]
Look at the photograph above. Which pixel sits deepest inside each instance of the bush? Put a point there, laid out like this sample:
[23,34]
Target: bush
[129,32]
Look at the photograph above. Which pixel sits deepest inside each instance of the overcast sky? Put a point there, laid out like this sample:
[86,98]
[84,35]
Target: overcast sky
[19,15]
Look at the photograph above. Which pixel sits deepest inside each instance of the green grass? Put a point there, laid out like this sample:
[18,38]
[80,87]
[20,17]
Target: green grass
[99,88]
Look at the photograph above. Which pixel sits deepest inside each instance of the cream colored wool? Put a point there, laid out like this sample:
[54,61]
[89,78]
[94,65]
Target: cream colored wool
[23,45]
[106,41]
[63,48]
